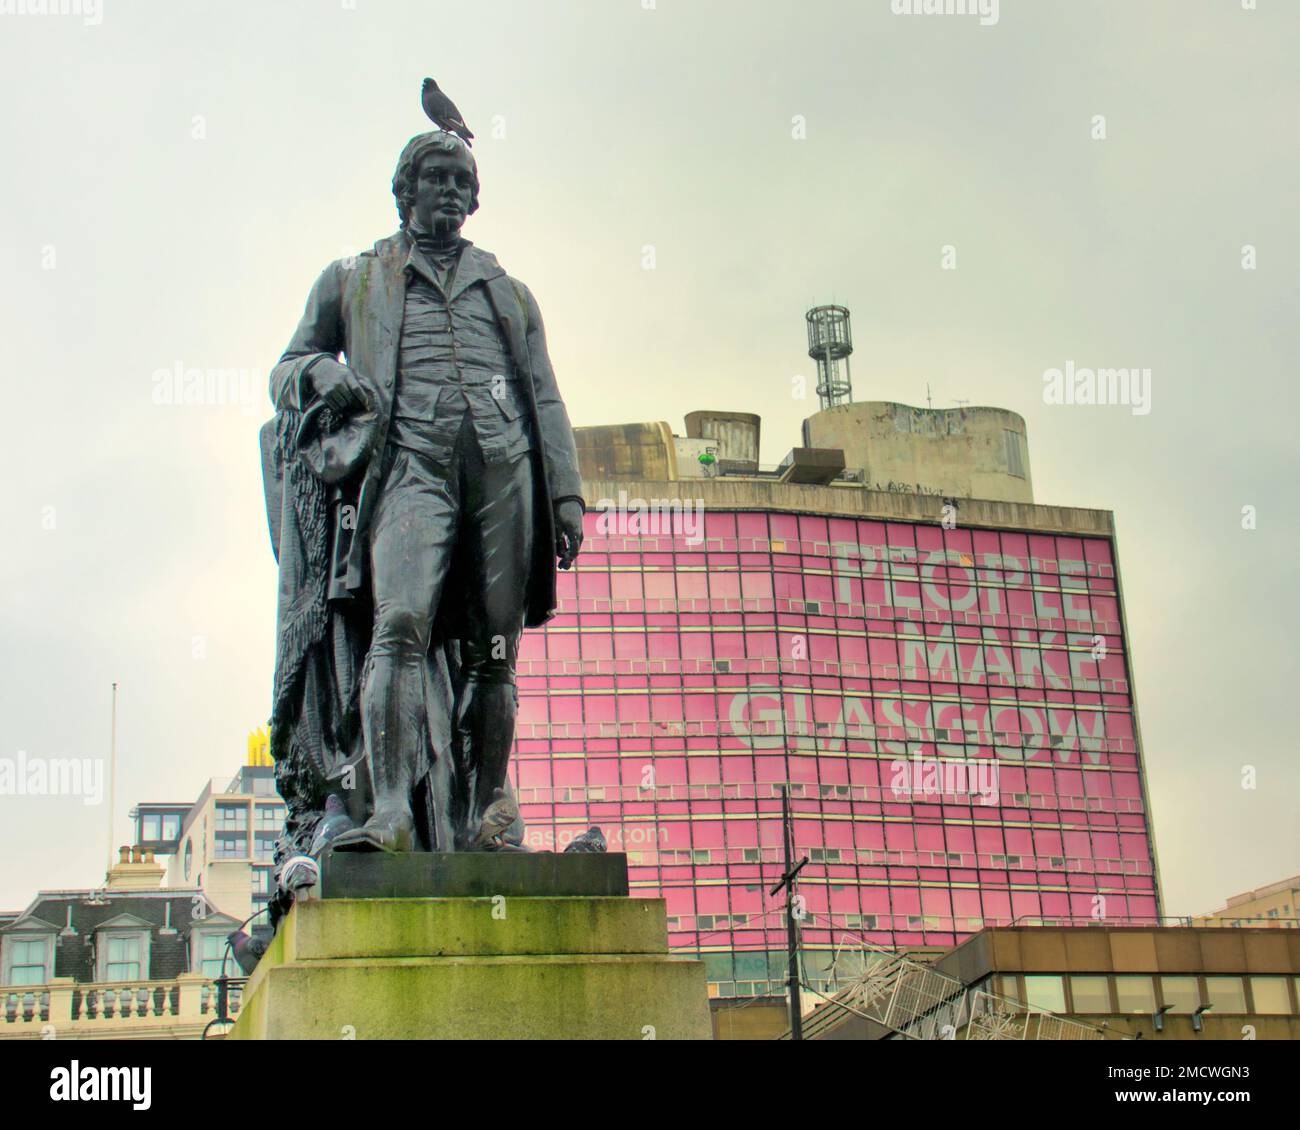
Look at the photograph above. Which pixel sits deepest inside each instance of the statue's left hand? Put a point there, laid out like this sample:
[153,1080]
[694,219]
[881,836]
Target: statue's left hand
[568,531]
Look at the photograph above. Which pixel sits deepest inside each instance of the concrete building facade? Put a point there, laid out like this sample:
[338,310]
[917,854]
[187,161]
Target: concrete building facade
[943,681]
[1275,905]
[224,841]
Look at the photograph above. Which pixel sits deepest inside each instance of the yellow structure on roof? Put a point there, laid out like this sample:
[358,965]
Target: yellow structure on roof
[259,747]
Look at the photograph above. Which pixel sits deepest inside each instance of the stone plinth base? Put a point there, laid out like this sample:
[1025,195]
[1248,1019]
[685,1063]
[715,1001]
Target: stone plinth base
[503,967]
[471,874]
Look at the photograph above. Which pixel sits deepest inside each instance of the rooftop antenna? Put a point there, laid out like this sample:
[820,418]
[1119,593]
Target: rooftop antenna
[830,341]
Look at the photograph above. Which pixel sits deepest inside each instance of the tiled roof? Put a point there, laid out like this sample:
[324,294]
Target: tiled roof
[75,954]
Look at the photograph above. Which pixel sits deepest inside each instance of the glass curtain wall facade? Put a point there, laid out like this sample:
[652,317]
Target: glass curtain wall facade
[951,708]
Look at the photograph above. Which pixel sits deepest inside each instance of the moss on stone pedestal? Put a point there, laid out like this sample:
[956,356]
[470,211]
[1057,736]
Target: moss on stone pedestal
[475,968]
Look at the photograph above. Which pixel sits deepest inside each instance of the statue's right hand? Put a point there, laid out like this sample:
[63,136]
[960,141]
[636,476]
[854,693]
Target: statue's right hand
[338,386]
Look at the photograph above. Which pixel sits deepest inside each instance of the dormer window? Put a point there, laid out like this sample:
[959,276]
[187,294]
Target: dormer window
[28,960]
[27,952]
[208,946]
[122,949]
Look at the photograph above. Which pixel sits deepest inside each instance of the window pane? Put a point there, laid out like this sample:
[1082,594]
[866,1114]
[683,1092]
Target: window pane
[1135,994]
[28,966]
[1270,995]
[213,951]
[232,817]
[1180,992]
[122,959]
[1045,992]
[1226,994]
[231,845]
[29,951]
[1091,994]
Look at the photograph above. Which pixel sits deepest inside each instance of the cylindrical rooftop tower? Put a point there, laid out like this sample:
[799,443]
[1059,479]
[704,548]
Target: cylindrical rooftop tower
[830,341]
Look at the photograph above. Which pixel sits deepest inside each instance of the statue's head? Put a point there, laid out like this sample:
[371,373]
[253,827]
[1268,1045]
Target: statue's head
[436,182]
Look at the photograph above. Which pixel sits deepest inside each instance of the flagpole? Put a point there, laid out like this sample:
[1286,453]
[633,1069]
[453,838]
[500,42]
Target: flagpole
[112,776]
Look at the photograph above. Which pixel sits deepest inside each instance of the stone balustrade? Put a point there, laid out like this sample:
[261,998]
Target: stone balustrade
[65,1009]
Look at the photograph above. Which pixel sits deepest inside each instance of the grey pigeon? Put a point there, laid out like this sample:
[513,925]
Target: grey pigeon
[443,113]
[334,823]
[592,840]
[247,950]
[499,815]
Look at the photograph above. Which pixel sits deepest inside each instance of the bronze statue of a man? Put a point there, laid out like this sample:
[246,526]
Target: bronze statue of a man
[422,480]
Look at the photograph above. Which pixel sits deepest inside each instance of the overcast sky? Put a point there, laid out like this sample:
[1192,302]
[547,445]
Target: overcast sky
[176,175]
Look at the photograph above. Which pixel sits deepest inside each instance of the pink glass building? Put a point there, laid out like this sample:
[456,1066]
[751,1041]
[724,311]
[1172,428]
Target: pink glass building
[952,708]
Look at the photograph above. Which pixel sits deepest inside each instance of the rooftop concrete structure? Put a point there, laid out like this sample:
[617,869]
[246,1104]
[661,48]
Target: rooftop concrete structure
[964,452]
[958,453]
[627,451]
[731,436]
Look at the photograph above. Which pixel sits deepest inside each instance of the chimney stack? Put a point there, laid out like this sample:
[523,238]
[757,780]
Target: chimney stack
[136,870]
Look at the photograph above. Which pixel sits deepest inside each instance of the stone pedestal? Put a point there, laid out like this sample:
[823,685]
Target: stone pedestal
[450,958]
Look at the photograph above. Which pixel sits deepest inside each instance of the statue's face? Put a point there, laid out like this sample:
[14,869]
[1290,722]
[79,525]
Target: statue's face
[443,191]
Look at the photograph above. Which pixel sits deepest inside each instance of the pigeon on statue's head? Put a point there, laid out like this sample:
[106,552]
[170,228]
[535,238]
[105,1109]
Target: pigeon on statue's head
[443,113]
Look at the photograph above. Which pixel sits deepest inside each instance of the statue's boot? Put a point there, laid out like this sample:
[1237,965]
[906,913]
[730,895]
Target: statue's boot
[387,830]
[487,732]
[392,723]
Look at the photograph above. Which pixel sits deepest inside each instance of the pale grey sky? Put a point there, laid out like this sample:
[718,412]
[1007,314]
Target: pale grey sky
[178,173]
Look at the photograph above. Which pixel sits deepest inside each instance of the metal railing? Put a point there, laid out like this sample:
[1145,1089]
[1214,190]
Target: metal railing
[1183,920]
[914,1001]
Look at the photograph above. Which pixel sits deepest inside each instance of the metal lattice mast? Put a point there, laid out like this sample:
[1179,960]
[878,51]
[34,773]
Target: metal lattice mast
[830,341]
